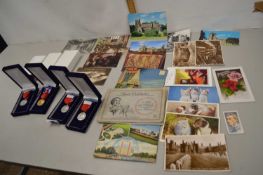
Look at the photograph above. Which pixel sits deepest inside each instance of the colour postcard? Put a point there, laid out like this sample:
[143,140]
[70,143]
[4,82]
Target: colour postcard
[232,85]
[178,124]
[178,36]
[196,153]
[128,142]
[148,26]
[227,38]
[233,122]
[193,94]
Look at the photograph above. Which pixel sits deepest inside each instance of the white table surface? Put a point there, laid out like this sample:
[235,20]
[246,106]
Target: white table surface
[32,141]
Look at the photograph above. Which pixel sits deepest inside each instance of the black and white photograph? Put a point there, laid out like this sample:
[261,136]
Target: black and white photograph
[178,36]
[84,46]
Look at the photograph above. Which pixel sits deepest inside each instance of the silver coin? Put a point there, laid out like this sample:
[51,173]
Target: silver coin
[23,102]
[64,109]
[81,116]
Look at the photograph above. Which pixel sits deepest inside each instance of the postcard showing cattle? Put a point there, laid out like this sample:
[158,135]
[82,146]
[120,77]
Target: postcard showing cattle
[148,26]
[196,153]
[232,85]
[146,54]
[227,38]
[84,46]
[189,76]
[193,94]
[191,108]
[181,124]
[97,76]
[128,142]
[142,105]
[178,36]
[233,122]
[184,54]
[209,53]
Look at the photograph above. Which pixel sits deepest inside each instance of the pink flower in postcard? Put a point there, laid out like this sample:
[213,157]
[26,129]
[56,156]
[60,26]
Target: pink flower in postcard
[234,76]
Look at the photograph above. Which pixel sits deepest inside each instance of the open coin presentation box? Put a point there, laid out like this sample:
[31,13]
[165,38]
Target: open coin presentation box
[28,85]
[71,98]
[48,90]
[89,104]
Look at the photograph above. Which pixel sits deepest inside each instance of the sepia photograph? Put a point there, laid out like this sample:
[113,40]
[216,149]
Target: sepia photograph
[103,60]
[178,36]
[196,153]
[184,54]
[97,76]
[209,53]
[178,124]
[233,122]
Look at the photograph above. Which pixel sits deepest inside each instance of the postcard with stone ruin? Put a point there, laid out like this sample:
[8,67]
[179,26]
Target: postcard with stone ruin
[196,153]
[128,142]
[209,53]
[178,36]
[181,124]
[103,59]
[133,106]
[191,108]
[112,44]
[193,94]
[97,76]
[146,54]
[148,26]
[189,76]
[232,85]
[184,54]
[84,46]
[227,38]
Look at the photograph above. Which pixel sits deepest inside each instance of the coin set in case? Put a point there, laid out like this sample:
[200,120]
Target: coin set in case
[40,85]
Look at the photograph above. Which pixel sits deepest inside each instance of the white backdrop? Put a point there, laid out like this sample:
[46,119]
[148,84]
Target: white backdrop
[23,21]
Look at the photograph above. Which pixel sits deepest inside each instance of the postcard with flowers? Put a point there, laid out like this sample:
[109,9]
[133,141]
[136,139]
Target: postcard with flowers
[232,85]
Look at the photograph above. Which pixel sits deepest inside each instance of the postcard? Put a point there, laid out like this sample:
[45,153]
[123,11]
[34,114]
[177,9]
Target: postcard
[84,46]
[184,54]
[178,124]
[128,142]
[227,38]
[148,26]
[129,78]
[191,108]
[133,105]
[196,153]
[97,75]
[209,53]
[193,94]
[179,36]
[233,122]
[232,85]
[188,76]
[112,44]
[103,60]
[146,54]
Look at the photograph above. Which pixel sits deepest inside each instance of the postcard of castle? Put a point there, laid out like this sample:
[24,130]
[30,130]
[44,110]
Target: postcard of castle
[196,153]
[148,26]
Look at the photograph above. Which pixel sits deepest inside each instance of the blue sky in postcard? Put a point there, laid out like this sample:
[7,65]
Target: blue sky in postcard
[150,44]
[155,128]
[223,34]
[148,17]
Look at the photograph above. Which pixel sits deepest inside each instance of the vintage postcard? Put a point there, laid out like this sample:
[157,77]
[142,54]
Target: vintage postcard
[179,36]
[112,44]
[196,153]
[148,26]
[103,59]
[129,78]
[128,142]
[233,122]
[178,124]
[188,76]
[97,75]
[184,54]
[133,106]
[232,85]
[227,38]
[191,108]
[193,94]
[209,53]
[146,54]
[84,46]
